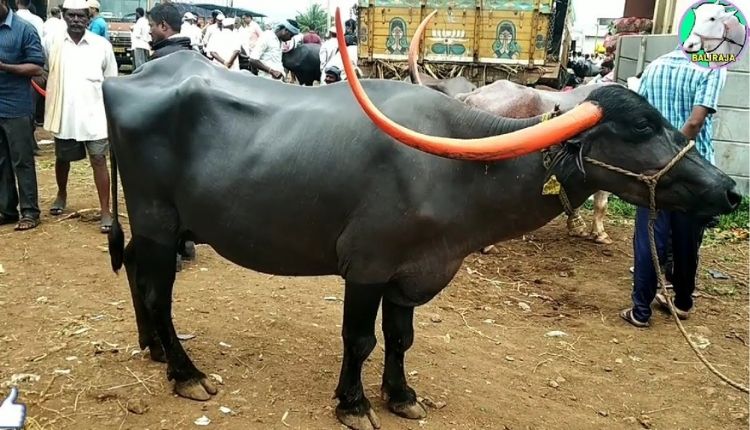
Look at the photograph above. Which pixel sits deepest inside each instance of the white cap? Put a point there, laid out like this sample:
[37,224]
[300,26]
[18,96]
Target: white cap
[95,4]
[226,22]
[189,16]
[75,4]
[220,17]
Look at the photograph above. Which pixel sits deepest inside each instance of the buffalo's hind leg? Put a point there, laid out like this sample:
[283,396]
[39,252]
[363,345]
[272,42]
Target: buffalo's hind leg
[155,277]
[398,331]
[147,337]
[361,303]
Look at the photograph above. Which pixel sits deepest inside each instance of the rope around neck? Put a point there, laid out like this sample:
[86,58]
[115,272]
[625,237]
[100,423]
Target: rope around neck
[651,181]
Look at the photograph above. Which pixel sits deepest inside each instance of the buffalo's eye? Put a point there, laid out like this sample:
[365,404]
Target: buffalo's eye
[712,19]
[642,127]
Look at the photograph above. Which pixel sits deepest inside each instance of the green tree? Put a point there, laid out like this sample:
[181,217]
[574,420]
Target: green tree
[314,18]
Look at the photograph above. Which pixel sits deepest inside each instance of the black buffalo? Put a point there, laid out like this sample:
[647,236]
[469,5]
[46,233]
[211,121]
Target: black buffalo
[304,62]
[247,166]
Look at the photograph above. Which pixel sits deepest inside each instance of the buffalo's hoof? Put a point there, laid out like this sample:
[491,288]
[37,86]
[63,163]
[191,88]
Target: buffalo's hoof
[411,410]
[601,238]
[356,421]
[196,389]
[409,407]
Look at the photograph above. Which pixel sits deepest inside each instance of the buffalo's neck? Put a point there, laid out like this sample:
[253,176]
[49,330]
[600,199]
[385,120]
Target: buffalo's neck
[510,202]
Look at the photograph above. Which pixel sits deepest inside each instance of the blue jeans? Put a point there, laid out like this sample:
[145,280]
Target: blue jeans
[686,234]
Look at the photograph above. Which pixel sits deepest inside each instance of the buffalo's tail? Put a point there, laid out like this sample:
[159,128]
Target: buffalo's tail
[116,237]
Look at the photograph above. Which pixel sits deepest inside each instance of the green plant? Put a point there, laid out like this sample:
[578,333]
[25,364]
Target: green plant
[315,18]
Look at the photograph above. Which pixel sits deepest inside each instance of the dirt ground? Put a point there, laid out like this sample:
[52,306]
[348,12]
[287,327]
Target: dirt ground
[481,355]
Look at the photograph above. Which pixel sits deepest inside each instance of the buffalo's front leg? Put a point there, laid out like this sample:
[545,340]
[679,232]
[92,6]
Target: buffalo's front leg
[155,276]
[361,304]
[398,331]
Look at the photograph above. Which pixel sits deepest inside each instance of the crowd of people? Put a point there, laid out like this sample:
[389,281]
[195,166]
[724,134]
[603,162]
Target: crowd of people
[76,58]
[233,42]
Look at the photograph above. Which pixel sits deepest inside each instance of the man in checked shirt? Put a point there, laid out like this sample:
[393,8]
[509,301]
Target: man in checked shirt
[687,95]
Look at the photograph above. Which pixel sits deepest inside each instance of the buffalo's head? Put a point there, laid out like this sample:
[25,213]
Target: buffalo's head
[634,136]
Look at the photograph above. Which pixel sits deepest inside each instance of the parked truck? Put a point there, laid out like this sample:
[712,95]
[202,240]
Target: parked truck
[120,17]
[525,41]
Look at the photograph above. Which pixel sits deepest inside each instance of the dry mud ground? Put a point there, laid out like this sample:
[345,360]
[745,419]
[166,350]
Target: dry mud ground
[275,341]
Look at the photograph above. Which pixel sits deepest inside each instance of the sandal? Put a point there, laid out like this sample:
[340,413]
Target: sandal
[27,223]
[4,219]
[663,305]
[627,315]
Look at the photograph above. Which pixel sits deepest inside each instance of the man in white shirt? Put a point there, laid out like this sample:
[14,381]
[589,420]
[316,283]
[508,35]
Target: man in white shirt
[213,28]
[190,30]
[54,25]
[224,46]
[79,61]
[266,55]
[328,51]
[140,38]
[25,13]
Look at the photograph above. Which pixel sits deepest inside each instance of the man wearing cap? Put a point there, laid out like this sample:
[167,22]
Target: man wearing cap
[190,30]
[225,45]
[165,24]
[97,24]
[333,75]
[140,38]
[213,28]
[79,61]
[21,57]
[266,55]
[328,51]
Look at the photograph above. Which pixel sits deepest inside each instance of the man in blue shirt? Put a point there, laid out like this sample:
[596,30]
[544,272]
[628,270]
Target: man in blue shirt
[686,95]
[97,25]
[21,58]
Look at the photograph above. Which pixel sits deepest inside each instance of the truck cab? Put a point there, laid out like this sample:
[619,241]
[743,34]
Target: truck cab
[120,17]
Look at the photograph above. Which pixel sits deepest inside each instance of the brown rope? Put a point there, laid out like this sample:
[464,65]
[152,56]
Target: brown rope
[651,181]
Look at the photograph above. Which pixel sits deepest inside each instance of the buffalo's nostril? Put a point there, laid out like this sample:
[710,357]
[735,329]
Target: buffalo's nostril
[734,199]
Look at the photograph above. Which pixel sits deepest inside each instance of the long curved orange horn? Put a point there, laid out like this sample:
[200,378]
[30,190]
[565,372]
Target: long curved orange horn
[414,49]
[504,146]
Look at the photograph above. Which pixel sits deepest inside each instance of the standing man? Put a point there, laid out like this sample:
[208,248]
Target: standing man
[140,38]
[21,58]
[165,23]
[225,45]
[79,61]
[25,13]
[686,95]
[97,25]
[54,24]
[250,33]
[190,30]
[266,55]
[328,50]
[213,28]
